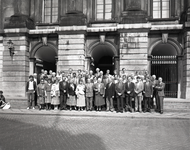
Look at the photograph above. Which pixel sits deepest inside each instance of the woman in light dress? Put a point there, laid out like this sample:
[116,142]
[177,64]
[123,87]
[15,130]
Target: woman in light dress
[55,94]
[80,92]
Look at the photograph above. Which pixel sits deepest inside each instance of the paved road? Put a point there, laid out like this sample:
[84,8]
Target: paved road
[55,132]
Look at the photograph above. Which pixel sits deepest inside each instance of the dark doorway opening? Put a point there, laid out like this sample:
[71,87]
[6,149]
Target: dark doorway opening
[45,59]
[105,63]
[164,64]
[103,58]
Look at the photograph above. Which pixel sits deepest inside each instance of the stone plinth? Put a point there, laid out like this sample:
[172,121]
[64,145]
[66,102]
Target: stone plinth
[15,70]
[133,51]
[71,52]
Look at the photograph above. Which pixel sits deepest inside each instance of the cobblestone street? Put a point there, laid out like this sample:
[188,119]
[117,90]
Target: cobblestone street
[58,132]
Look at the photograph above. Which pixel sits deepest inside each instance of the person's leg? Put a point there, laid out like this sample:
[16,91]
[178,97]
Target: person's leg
[130,103]
[121,98]
[61,102]
[32,100]
[111,104]
[107,104]
[145,104]
[118,104]
[140,103]
[28,94]
[90,102]
[87,103]
[161,104]
[136,103]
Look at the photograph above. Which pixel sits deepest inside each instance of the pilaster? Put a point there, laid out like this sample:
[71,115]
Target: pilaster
[71,52]
[186,67]
[133,51]
[1,61]
[15,70]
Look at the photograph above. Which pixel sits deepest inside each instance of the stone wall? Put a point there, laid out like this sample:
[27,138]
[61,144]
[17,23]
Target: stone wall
[186,67]
[16,70]
[1,60]
[71,52]
[133,51]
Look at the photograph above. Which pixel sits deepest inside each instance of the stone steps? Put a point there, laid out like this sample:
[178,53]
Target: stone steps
[169,104]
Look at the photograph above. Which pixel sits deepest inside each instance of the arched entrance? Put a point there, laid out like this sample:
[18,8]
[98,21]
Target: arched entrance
[103,56]
[164,64]
[45,57]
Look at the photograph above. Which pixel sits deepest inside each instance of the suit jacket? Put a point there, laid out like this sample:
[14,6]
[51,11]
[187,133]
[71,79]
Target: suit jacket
[120,89]
[62,88]
[102,89]
[139,87]
[27,85]
[110,90]
[160,88]
[148,89]
[71,90]
[131,88]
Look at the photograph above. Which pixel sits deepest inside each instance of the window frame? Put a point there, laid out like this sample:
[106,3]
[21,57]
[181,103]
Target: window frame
[51,14]
[161,11]
[104,6]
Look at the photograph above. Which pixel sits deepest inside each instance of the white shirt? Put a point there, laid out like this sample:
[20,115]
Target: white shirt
[31,85]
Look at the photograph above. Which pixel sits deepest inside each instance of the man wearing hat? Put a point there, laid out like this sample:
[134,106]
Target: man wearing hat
[30,90]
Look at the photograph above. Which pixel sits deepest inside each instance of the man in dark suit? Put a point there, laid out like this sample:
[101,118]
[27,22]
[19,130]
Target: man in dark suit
[154,83]
[120,94]
[148,91]
[63,87]
[129,89]
[160,88]
[110,92]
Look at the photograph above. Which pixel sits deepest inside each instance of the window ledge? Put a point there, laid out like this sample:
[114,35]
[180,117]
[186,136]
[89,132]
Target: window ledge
[163,19]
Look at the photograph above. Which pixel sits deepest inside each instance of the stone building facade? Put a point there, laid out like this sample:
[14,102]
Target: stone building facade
[140,35]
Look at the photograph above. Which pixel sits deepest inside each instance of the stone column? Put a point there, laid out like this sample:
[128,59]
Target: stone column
[32,66]
[87,63]
[71,52]
[133,51]
[116,63]
[186,66]
[16,71]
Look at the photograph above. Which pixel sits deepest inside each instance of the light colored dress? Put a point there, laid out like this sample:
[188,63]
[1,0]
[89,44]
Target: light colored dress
[55,94]
[80,95]
[71,101]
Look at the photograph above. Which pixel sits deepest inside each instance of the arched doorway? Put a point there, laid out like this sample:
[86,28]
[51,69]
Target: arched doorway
[45,57]
[103,57]
[164,64]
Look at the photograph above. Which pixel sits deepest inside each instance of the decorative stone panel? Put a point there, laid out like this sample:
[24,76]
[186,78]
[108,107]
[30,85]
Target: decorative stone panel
[133,51]
[71,52]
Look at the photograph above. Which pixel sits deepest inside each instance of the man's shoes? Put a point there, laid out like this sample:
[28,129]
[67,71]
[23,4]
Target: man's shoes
[28,108]
[33,108]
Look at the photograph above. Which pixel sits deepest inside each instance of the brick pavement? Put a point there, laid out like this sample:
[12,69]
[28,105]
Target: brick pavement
[70,132]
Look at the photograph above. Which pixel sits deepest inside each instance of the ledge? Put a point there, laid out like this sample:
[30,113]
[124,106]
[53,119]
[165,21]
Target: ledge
[167,27]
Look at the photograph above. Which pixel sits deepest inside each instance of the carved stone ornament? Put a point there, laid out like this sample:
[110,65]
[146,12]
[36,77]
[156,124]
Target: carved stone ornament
[102,38]
[164,37]
[44,40]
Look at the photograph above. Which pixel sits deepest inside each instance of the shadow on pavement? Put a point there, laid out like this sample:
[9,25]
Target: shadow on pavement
[17,134]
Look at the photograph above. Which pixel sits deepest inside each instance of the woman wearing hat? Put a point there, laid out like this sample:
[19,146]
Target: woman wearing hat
[41,94]
[47,89]
[71,101]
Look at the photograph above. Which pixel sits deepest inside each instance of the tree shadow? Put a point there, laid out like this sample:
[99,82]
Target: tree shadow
[16,134]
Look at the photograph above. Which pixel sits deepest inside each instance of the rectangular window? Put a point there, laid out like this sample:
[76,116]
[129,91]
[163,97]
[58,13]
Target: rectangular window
[103,9]
[161,9]
[50,11]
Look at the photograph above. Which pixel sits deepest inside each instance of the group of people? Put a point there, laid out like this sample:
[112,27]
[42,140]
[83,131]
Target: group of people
[85,90]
